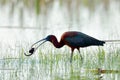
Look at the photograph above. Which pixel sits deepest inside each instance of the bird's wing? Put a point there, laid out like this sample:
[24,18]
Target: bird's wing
[74,40]
[80,40]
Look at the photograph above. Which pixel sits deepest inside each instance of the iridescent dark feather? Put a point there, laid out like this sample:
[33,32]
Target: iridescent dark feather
[78,39]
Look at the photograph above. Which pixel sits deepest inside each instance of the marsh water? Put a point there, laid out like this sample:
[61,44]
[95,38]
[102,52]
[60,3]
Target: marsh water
[23,22]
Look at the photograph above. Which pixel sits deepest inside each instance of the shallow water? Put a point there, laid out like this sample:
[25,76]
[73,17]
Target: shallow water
[21,26]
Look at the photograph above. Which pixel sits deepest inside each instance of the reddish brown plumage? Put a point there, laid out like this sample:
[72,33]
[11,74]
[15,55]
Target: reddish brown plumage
[73,39]
[66,42]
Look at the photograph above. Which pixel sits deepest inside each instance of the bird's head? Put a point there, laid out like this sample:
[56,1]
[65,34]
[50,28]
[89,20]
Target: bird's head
[50,38]
[35,46]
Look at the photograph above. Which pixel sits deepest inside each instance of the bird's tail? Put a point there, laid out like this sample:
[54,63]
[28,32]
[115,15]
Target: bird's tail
[98,43]
[101,43]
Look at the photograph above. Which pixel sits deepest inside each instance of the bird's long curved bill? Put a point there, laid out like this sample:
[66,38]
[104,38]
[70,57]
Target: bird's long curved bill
[44,40]
[34,47]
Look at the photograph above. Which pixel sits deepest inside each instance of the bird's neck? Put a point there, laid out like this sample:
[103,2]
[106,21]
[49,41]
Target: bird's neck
[56,43]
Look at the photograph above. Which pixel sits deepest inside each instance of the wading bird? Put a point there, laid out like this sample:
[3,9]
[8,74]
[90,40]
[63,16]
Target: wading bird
[73,39]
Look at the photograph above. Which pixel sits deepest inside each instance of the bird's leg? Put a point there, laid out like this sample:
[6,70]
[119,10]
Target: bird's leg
[71,55]
[80,54]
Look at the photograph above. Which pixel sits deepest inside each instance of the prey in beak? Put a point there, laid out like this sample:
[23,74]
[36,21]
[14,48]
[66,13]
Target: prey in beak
[35,46]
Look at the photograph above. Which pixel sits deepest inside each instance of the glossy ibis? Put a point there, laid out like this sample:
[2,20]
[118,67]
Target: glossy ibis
[73,39]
